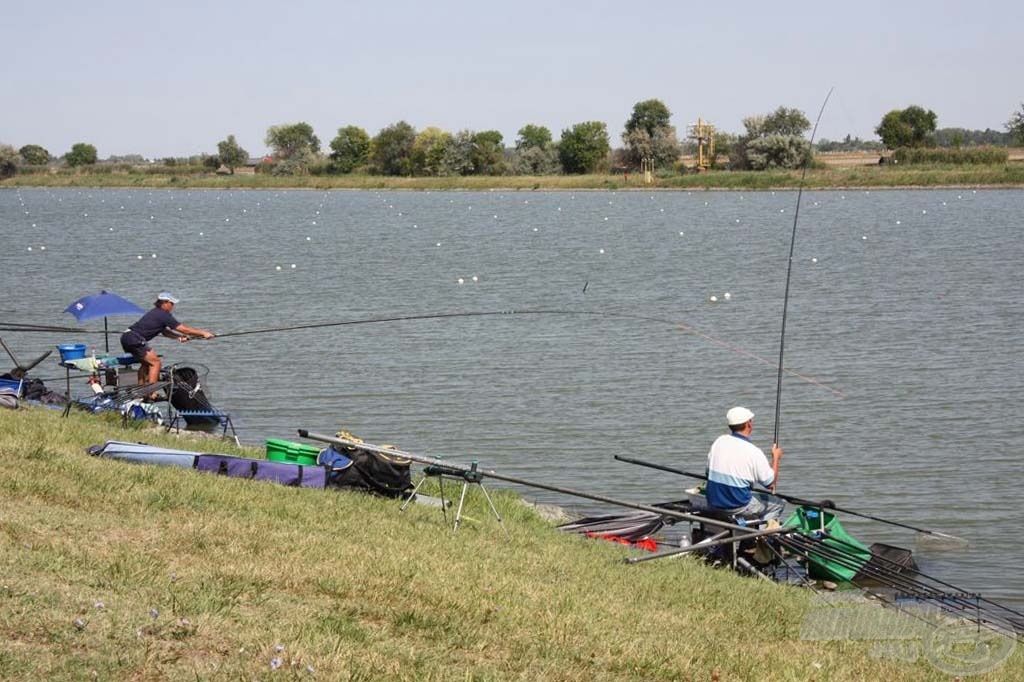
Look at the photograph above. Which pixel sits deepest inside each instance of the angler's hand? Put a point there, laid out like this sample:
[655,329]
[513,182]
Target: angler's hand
[776,451]
[208,335]
[182,339]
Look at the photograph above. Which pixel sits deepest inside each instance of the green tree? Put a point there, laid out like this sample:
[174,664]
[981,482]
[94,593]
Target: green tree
[391,150]
[533,136]
[774,140]
[649,115]
[535,161]
[34,155]
[428,149]
[9,159]
[292,140]
[649,135]
[910,127]
[584,147]
[458,154]
[231,154]
[1015,126]
[488,153]
[350,149]
[81,154]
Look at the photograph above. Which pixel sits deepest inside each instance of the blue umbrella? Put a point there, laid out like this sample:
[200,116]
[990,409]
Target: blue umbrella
[103,304]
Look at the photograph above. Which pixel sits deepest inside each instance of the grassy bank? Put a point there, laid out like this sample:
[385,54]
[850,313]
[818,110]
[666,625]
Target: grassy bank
[1005,175]
[120,572]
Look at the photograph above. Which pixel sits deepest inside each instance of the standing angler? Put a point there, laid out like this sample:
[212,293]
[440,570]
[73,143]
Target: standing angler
[735,464]
[157,321]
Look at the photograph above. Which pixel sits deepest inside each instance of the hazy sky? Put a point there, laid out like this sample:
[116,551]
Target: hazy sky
[163,79]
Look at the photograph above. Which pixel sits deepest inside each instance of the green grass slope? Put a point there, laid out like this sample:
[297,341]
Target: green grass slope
[114,571]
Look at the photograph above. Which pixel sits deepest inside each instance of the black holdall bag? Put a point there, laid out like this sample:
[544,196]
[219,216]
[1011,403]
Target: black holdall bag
[384,474]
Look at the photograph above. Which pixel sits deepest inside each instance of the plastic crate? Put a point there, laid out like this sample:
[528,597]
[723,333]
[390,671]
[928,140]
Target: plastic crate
[294,453]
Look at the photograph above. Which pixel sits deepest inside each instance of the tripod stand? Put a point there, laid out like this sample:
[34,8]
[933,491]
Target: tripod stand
[467,477]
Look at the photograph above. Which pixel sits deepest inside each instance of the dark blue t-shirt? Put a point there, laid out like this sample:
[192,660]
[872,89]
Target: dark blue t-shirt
[152,323]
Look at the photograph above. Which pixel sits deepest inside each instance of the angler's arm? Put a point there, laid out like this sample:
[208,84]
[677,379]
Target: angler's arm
[194,331]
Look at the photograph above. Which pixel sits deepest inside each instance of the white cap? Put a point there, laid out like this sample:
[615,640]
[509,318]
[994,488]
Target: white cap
[738,415]
[166,296]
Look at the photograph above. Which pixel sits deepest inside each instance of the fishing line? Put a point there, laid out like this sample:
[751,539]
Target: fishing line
[789,267]
[593,313]
[19,327]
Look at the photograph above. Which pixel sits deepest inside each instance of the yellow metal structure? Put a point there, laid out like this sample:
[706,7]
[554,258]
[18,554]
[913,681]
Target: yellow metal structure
[647,166]
[703,134]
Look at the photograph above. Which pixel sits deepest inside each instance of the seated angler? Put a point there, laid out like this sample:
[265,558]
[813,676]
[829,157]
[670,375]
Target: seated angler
[735,464]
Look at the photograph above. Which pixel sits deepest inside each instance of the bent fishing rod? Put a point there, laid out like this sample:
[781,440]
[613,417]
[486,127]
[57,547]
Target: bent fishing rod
[789,267]
[475,472]
[823,504]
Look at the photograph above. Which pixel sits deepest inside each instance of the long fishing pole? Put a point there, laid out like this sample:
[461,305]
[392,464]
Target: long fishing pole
[473,470]
[789,268]
[24,327]
[824,504]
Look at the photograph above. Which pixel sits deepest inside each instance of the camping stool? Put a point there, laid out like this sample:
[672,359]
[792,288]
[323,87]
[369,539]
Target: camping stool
[223,418]
[471,476]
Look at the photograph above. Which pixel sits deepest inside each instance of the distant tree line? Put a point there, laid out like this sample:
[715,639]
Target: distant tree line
[773,140]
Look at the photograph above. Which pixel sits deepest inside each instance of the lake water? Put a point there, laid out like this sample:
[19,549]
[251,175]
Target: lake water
[909,303]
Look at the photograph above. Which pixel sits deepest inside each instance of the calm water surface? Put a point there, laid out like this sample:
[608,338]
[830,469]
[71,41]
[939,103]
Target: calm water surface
[908,302]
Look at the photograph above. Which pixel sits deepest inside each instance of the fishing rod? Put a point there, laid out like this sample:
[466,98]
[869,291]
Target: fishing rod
[789,268]
[474,471]
[824,504]
[19,327]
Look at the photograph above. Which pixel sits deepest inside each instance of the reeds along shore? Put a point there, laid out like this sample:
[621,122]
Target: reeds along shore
[113,571]
[1010,174]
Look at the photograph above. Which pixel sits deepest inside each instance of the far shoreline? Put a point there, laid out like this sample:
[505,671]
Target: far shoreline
[1005,176]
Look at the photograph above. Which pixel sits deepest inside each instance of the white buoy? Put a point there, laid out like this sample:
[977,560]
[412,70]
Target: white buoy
[460,280]
[139,257]
[737,220]
[439,243]
[606,217]
[277,267]
[495,217]
[200,234]
[111,229]
[151,217]
[864,237]
[227,220]
[600,250]
[814,260]
[897,222]
[293,266]
[415,225]
[535,229]
[309,239]
[713,299]
[152,255]
[42,248]
[680,233]
[475,278]
[30,248]
[314,222]
[727,296]
[33,224]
